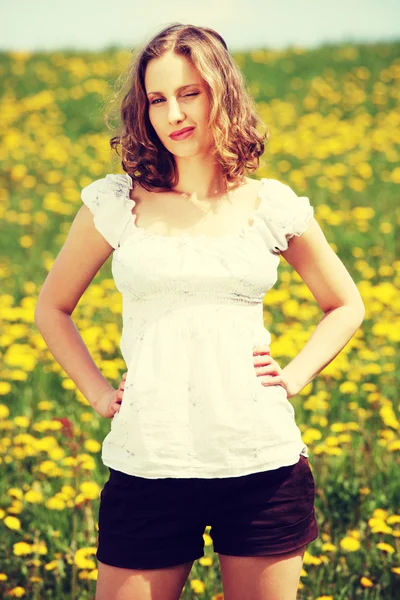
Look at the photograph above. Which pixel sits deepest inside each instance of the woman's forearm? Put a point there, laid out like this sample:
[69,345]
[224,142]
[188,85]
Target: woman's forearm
[68,348]
[330,336]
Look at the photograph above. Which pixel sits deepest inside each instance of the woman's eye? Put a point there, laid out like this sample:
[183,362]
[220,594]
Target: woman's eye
[194,94]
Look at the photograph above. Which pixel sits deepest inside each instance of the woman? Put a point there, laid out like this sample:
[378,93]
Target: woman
[197,438]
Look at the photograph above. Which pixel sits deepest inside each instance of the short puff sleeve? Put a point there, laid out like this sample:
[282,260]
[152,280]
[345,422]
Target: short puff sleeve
[283,214]
[109,202]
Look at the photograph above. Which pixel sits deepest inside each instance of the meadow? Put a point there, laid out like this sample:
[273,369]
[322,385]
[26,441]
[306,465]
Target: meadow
[334,118]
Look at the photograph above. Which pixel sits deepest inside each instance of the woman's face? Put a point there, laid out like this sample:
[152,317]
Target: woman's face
[173,107]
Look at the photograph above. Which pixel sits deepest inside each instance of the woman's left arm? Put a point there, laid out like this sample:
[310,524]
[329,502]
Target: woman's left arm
[335,292]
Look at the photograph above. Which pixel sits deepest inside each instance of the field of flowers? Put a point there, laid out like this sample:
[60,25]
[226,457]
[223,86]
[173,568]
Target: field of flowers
[334,118]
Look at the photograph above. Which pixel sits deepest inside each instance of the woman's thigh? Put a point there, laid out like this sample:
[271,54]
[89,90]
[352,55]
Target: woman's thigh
[115,583]
[261,577]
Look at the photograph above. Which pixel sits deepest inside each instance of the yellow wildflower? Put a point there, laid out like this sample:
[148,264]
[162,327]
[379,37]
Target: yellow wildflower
[197,586]
[92,446]
[33,497]
[366,582]
[385,547]
[22,549]
[17,592]
[350,544]
[12,522]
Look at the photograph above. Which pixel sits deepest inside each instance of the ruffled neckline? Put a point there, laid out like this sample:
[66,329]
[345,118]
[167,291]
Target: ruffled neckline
[187,237]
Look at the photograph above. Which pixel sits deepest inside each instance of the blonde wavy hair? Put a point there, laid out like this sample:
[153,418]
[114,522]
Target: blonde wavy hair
[233,119]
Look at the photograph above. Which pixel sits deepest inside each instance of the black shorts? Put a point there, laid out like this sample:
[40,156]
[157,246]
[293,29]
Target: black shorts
[155,523]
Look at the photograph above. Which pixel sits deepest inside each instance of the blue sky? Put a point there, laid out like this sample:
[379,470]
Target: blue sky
[97,24]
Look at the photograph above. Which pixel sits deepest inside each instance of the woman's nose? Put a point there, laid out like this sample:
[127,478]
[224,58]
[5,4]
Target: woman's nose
[174,111]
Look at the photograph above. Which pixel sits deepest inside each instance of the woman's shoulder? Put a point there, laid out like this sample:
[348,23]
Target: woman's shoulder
[108,198]
[281,199]
[285,213]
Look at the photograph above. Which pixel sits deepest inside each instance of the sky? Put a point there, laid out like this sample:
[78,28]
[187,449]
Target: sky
[275,24]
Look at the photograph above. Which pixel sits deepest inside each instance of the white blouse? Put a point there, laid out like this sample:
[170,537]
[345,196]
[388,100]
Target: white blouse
[193,405]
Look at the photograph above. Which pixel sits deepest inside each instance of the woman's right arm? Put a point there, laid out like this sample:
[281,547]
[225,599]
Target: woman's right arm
[85,250]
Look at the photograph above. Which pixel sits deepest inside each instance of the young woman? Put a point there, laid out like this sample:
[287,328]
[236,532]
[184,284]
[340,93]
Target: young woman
[202,431]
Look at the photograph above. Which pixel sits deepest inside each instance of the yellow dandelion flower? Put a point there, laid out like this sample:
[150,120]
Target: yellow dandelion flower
[83,574]
[12,522]
[197,586]
[55,504]
[312,560]
[366,582]
[311,435]
[83,458]
[381,527]
[81,560]
[395,175]
[3,577]
[86,417]
[39,548]
[93,574]
[396,533]
[33,497]
[21,421]
[393,519]
[15,493]
[92,446]
[45,405]
[16,507]
[363,212]
[385,547]
[48,467]
[388,417]
[5,388]
[18,171]
[328,547]
[207,539]
[385,227]
[80,499]
[206,561]
[68,490]
[350,544]
[354,533]
[56,454]
[17,592]
[88,465]
[377,522]
[348,387]
[51,565]
[90,489]
[22,549]
[34,562]
[69,461]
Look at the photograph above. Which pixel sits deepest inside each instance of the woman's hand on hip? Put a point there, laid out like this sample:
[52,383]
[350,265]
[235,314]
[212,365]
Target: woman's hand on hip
[268,370]
[109,403]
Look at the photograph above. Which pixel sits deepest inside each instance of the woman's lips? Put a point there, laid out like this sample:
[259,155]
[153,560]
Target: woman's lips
[184,135]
